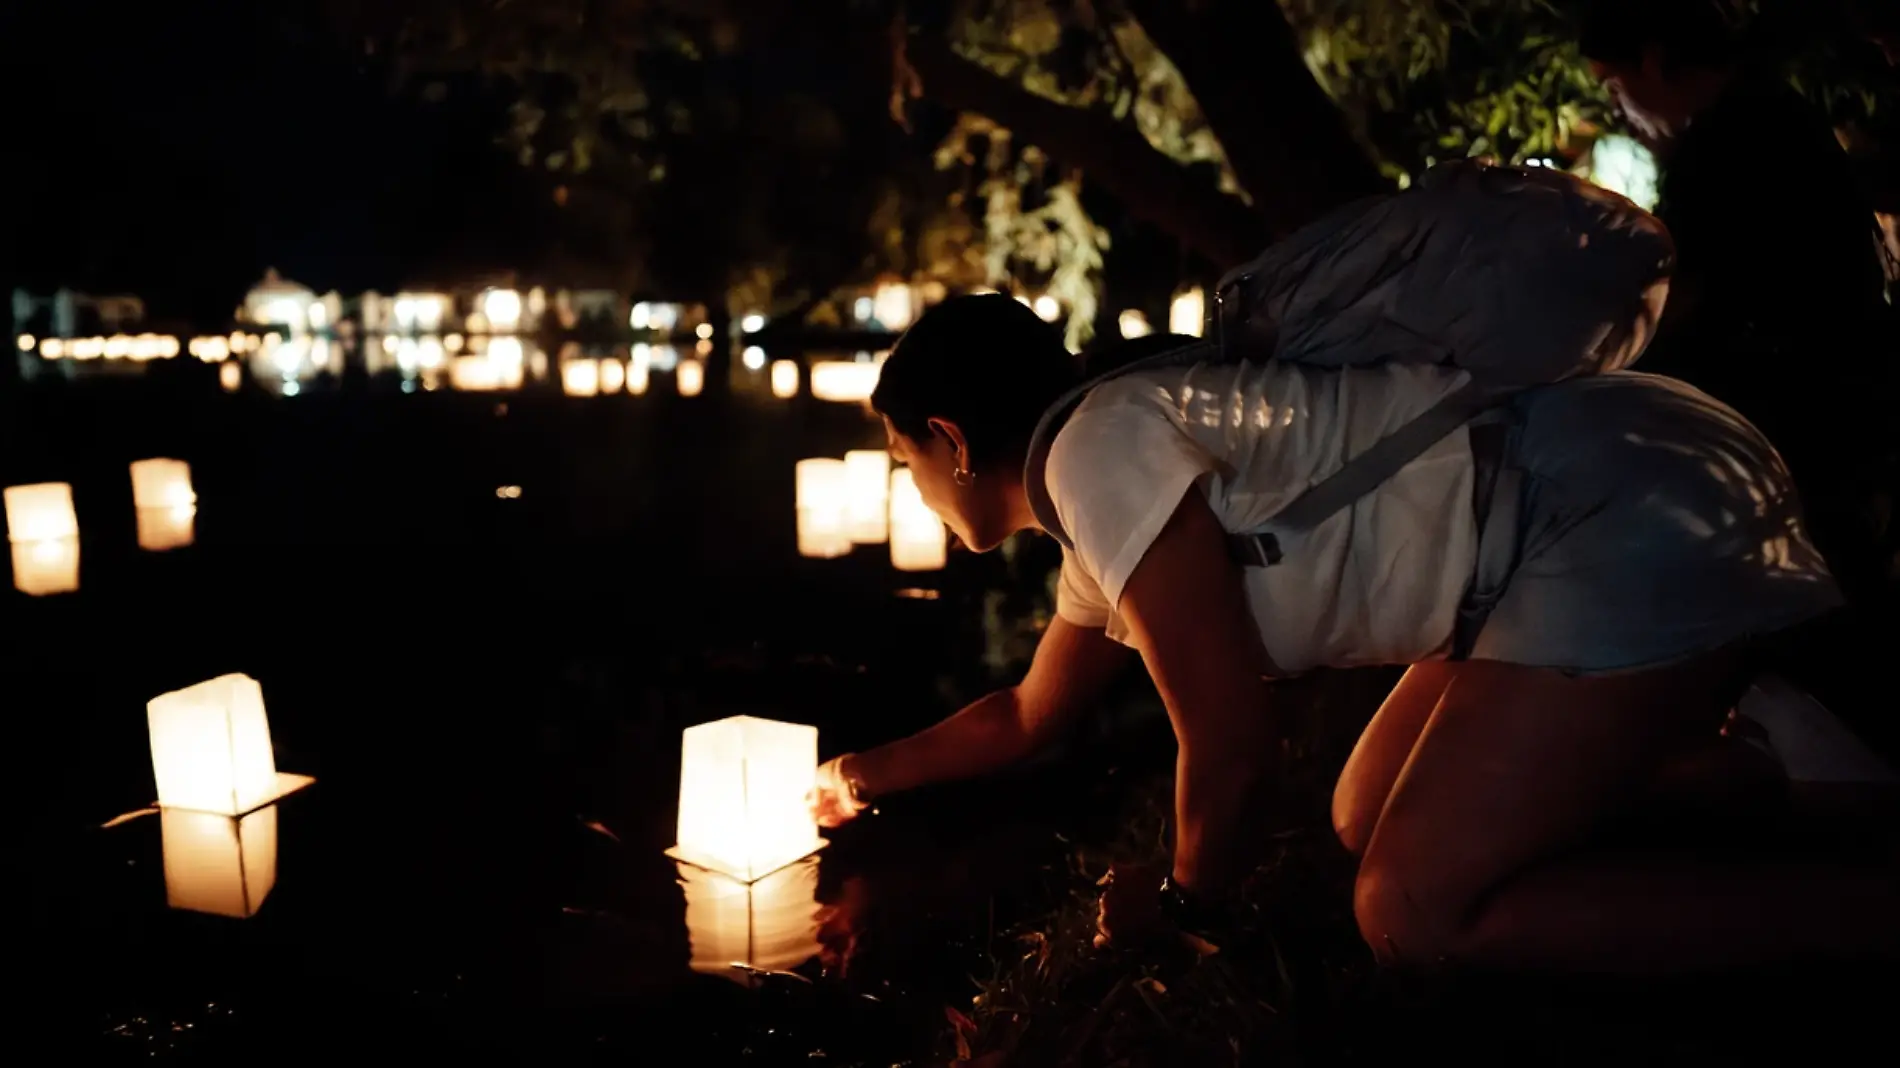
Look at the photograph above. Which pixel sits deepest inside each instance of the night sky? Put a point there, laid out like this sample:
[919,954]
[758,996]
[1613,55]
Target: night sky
[176,150]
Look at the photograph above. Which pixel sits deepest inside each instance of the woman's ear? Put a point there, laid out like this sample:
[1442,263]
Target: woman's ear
[953,434]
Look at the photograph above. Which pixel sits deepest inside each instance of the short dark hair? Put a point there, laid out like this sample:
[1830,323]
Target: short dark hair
[985,363]
[1690,33]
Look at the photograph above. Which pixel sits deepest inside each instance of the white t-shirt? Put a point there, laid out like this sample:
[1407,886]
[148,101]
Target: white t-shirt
[1377,583]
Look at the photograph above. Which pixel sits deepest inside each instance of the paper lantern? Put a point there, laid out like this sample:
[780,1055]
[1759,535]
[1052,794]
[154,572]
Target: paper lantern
[784,378]
[613,375]
[211,749]
[690,378]
[736,929]
[834,380]
[231,376]
[1187,314]
[222,865]
[162,484]
[918,539]
[40,512]
[867,475]
[743,782]
[162,529]
[43,568]
[580,378]
[823,519]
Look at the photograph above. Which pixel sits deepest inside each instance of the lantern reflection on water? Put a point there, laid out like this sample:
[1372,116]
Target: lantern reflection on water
[161,529]
[690,378]
[735,929]
[580,378]
[867,495]
[918,539]
[821,494]
[45,567]
[784,378]
[743,782]
[211,748]
[222,865]
[637,368]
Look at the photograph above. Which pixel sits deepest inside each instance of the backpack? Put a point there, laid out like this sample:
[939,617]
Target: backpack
[1518,276]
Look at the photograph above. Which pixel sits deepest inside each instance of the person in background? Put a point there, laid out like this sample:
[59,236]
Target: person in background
[1778,304]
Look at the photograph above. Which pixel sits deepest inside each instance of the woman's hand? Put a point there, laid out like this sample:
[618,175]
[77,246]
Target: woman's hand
[1130,911]
[836,797]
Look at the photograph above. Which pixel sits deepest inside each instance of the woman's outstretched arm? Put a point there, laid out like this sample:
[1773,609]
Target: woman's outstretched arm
[1186,607]
[1072,669]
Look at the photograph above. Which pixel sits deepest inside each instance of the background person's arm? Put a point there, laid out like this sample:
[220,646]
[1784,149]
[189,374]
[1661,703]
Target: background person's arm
[1073,668]
[1186,606]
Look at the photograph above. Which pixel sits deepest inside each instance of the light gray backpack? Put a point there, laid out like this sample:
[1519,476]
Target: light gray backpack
[1519,276]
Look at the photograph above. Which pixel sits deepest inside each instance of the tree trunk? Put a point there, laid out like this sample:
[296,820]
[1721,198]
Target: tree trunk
[1289,145]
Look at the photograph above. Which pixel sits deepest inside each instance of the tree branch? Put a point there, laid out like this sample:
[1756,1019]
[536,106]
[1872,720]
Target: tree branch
[1115,156]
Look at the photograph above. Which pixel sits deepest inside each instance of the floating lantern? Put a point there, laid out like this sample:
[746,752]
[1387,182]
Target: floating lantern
[502,308]
[1134,324]
[230,376]
[162,484]
[580,378]
[637,369]
[918,539]
[40,512]
[211,748]
[46,567]
[219,864]
[753,357]
[867,477]
[690,378]
[743,782]
[736,930]
[784,378]
[1188,312]
[836,380]
[821,494]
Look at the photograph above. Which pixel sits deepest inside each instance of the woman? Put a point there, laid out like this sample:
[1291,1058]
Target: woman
[1657,537]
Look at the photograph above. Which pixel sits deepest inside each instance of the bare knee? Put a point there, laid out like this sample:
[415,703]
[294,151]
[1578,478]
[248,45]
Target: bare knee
[1404,921]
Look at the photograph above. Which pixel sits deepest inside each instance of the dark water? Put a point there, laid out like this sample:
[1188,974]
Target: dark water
[489,690]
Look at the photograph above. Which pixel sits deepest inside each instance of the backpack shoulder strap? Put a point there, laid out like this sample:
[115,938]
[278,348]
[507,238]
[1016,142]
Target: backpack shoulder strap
[1364,473]
[1035,465]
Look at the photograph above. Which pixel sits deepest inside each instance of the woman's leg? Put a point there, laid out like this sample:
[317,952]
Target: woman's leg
[1382,750]
[1483,854]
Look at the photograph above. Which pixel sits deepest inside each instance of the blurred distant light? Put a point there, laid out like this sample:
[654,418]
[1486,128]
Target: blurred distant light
[752,323]
[581,378]
[1135,324]
[27,342]
[637,369]
[642,317]
[453,342]
[1187,312]
[784,378]
[862,309]
[231,376]
[702,347]
[613,375]
[1048,308]
[503,309]
[833,380]
[1623,165]
[895,305]
[118,347]
[53,348]
[662,357]
[291,388]
[319,315]
[508,493]
[754,357]
[703,331]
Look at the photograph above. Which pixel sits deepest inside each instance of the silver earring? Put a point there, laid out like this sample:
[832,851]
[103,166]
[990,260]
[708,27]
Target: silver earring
[963,476]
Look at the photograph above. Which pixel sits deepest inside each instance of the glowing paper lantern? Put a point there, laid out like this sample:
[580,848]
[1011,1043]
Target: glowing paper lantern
[46,567]
[1134,323]
[743,782]
[690,378]
[918,539]
[737,929]
[230,376]
[867,474]
[836,380]
[162,484]
[219,864]
[821,497]
[211,749]
[613,375]
[784,378]
[40,512]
